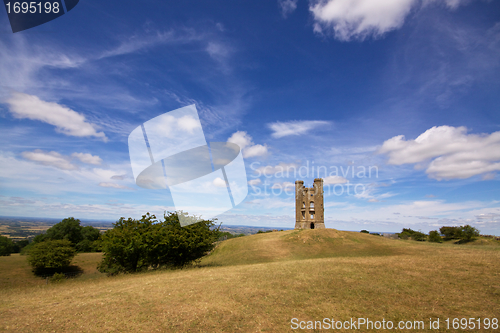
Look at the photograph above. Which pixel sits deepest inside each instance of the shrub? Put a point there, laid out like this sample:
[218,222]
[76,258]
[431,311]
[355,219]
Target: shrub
[58,277]
[435,237]
[365,231]
[451,232]
[469,233]
[19,245]
[51,254]
[83,239]
[136,245]
[463,233]
[6,246]
[419,236]
[415,235]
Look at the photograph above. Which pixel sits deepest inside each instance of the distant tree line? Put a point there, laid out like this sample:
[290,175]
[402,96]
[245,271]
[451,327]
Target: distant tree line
[82,239]
[463,234]
[227,235]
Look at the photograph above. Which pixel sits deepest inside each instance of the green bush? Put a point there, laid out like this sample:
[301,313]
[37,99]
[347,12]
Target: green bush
[365,231]
[136,245]
[451,232]
[469,233]
[415,235]
[58,277]
[435,237]
[19,245]
[6,246]
[419,236]
[465,233]
[51,254]
[83,239]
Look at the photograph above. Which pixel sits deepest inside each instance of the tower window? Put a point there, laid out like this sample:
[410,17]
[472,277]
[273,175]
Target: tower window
[312,216]
[311,204]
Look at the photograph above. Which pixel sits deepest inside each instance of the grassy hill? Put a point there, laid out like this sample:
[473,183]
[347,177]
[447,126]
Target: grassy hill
[261,282]
[297,245]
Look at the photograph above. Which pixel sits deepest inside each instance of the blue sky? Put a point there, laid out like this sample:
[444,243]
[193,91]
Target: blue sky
[407,89]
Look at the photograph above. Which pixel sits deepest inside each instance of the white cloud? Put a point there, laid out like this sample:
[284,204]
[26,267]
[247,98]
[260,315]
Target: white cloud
[256,150]
[451,151]
[246,144]
[370,193]
[88,158]
[65,120]
[272,203]
[331,180]
[188,123]
[217,50]
[117,186]
[281,129]
[254,182]
[360,19]
[240,138]
[219,182]
[287,6]
[451,4]
[52,158]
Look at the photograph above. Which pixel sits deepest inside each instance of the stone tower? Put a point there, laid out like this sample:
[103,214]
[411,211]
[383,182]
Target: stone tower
[309,210]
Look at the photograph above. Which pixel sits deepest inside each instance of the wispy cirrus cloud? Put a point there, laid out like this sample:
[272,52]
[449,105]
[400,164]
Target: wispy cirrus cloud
[88,158]
[116,186]
[52,158]
[58,160]
[287,6]
[282,129]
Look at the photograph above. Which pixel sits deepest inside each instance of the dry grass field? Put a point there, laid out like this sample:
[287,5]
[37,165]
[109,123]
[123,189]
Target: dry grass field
[260,282]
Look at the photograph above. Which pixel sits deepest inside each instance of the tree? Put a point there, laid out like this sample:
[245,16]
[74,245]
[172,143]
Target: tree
[451,232]
[435,237]
[83,239]
[90,242]
[19,245]
[419,236]
[51,254]
[171,245]
[124,246]
[469,233]
[68,228]
[136,245]
[365,231]
[463,233]
[6,246]
[415,235]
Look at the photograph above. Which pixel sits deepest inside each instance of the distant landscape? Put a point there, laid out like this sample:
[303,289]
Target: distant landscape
[18,228]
